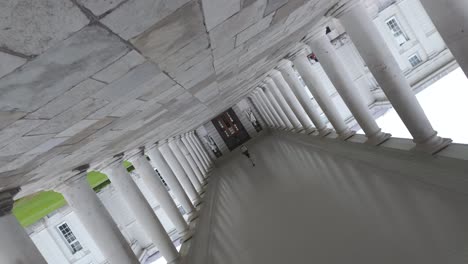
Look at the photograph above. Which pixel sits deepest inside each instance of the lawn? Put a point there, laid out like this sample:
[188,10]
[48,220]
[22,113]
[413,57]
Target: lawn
[32,208]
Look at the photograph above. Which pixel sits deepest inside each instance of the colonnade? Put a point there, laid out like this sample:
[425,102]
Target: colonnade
[289,100]
[182,162]
[283,102]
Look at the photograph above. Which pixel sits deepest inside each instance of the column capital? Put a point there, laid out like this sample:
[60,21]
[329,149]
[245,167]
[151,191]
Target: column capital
[303,51]
[171,139]
[7,200]
[78,173]
[341,8]
[284,64]
[117,160]
[135,154]
[274,72]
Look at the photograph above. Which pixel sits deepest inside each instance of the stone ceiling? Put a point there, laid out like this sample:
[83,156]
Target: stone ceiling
[82,80]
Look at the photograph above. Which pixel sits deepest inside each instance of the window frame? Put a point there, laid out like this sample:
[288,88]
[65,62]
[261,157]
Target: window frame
[415,55]
[396,30]
[69,238]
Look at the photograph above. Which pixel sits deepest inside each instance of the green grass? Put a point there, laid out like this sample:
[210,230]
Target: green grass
[28,210]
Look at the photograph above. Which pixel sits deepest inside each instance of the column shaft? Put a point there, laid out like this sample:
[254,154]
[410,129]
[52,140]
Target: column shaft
[276,124]
[278,109]
[158,161]
[295,105]
[179,172]
[271,86]
[451,20]
[299,90]
[156,187]
[194,155]
[198,151]
[189,158]
[347,89]
[316,85]
[269,105]
[184,164]
[388,74]
[144,214]
[15,244]
[262,110]
[97,220]
[202,150]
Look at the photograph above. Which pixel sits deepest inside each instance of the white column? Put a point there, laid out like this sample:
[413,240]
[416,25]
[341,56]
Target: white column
[158,161]
[451,20]
[271,98]
[144,214]
[201,149]
[285,66]
[272,119]
[159,191]
[199,153]
[184,164]
[189,158]
[15,244]
[269,110]
[272,109]
[314,81]
[179,172]
[262,110]
[382,64]
[347,89]
[271,86]
[96,219]
[193,154]
[292,101]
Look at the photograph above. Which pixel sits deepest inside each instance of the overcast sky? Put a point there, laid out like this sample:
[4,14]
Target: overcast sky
[446,105]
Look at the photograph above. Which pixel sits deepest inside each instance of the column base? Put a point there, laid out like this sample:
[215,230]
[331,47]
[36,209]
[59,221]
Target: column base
[432,145]
[197,202]
[185,236]
[310,130]
[378,138]
[175,261]
[345,135]
[192,216]
[325,132]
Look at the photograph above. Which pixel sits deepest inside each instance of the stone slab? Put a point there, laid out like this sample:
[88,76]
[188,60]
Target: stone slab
[120,67]
[9,63]
[129,83]
[273,5]
[136,16]
[235,24]
[254,30]
[23,144]
[216,11]
[69,117]
[18,129]
[59,69]
[30,27]
[172,33]
[9,117]
[70,98]
[99,7]
[76,128]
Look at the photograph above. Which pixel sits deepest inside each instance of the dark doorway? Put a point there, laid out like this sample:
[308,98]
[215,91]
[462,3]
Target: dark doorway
[231,129]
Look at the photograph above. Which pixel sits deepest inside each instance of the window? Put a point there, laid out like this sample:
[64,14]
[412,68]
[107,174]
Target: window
[414,60]
[396,30]
[72,242]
